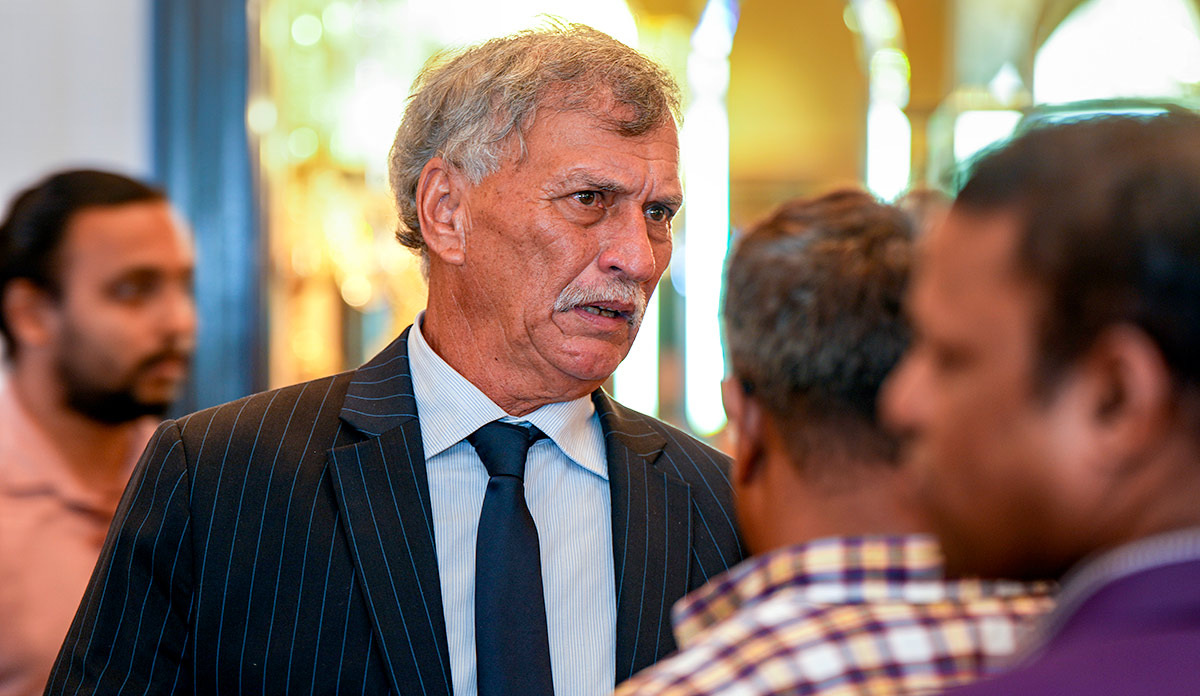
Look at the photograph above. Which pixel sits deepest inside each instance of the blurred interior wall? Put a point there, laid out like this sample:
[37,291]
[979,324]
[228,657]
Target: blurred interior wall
[74,88]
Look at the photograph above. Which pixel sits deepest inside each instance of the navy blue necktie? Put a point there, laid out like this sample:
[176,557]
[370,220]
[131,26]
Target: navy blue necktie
[512,645]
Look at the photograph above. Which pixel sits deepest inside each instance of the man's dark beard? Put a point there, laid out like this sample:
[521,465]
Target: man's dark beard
[110,405]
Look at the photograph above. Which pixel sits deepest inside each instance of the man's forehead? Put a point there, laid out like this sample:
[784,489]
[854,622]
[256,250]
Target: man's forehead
[968,262]
[134,233]
[597,117]
[596,99]
[580,144]
[969,243]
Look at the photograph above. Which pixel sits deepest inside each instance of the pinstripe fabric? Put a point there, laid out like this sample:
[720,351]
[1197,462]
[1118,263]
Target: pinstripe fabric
[283,543]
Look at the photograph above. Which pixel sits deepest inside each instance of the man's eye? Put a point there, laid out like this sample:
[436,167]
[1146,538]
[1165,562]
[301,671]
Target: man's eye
[588,198]
[132,290]
[658,213]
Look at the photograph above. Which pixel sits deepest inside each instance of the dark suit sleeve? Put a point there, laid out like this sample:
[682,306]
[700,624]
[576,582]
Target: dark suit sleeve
[130,634]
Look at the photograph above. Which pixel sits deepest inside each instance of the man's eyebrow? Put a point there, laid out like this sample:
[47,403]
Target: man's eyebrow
[144,272]
[674,201]
[593,181]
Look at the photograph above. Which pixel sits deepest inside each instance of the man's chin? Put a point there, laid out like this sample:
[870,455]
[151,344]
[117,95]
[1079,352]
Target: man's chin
[116,408]
[595,361]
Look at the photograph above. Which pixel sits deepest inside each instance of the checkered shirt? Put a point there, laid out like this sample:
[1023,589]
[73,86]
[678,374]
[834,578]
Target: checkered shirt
[840,616]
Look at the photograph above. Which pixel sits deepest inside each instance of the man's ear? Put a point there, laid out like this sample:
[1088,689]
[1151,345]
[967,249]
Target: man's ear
[746,418]
[1130,392]
[30,313]
[440,192]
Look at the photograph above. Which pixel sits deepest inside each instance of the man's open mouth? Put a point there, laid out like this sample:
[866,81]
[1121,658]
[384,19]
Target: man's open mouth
[617,299]
[602,311]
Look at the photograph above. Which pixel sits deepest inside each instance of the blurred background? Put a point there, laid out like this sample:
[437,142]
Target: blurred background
[268,122]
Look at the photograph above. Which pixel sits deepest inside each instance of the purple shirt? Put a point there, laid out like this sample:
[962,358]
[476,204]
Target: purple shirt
[1128,623]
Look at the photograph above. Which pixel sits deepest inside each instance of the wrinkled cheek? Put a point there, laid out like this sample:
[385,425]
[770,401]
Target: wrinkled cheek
[662,259]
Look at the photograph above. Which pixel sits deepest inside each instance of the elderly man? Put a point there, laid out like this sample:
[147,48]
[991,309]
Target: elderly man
[1052,400]
[467,512]
[97,317]
[845,594]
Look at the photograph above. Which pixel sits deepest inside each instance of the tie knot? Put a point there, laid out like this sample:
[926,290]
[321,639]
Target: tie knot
[502,447]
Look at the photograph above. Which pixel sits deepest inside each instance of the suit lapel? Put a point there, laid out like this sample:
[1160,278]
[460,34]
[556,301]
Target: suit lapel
[383,497]
[651,528]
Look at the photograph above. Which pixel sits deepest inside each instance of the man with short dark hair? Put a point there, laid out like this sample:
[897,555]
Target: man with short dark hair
[468,512]
[98,324]
[844,595]
[1051,403]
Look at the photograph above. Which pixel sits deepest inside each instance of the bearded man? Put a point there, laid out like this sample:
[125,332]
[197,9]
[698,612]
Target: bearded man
[98,323]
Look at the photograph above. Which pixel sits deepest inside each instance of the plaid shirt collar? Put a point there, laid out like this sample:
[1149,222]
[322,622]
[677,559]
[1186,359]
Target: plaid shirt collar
[835,570]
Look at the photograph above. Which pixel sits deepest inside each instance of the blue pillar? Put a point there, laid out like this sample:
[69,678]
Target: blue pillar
[202,157]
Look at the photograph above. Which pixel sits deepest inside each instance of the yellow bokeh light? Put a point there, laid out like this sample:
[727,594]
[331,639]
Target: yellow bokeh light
[306,30]
[338,19]
[261,115]
[356,290]
[303,143]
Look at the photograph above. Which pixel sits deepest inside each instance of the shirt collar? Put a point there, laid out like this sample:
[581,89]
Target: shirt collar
[834,570]
[451,408]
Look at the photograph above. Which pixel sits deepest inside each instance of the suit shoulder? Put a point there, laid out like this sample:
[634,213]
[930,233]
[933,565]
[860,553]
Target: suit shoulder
[311,397]
[286,414]
[678,443]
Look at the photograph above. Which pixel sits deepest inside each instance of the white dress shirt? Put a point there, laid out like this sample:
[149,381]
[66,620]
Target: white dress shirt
[567,490]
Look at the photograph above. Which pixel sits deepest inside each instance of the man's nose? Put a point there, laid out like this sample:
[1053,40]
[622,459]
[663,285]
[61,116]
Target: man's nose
[178,314]
[627,249]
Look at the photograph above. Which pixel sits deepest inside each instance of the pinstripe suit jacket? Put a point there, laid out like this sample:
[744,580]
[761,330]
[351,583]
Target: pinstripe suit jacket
[283,543]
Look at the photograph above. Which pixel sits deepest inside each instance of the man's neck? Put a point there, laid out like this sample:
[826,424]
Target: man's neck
[1154,493]
[515,386]
[801,511]
[97,453]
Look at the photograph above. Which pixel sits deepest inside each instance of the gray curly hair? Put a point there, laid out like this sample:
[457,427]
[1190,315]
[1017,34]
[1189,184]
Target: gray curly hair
[466,104]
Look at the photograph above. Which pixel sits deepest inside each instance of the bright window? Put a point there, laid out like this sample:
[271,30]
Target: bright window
[1119,49]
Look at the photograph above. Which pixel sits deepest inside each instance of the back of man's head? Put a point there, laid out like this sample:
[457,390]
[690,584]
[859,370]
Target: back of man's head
[33,232]
[1108,228]
[471,107]
[813,322]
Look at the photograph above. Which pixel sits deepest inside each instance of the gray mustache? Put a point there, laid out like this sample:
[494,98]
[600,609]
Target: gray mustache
[622,291]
